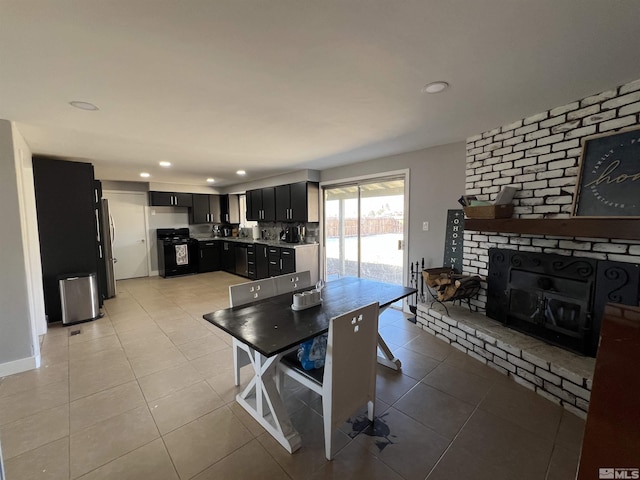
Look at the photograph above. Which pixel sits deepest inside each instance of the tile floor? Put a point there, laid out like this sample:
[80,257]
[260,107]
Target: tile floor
[147,393]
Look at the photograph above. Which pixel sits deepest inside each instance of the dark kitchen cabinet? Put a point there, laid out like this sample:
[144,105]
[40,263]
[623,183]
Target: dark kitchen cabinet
[297,202]
[230,208]
[262,261]
[205,209]
[261,204]
[228,257]
[170,199]
[281,261]
[208,256]
[287,260]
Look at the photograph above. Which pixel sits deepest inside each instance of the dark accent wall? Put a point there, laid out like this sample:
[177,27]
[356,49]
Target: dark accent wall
[66,224]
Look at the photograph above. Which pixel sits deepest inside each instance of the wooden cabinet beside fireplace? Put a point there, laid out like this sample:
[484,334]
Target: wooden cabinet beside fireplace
[612,438]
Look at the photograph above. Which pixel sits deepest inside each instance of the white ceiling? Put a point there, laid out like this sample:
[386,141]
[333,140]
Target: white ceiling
[277,85]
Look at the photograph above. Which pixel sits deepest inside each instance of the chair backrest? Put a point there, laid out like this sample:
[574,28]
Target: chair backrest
[292,281]
[251,291]
[352,349]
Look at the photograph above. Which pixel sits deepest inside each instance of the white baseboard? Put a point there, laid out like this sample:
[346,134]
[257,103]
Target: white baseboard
[21,365]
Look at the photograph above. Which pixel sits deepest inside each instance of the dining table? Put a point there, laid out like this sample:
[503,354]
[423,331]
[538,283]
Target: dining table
[272,327]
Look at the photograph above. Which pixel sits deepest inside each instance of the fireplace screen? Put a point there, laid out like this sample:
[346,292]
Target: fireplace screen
[556,298]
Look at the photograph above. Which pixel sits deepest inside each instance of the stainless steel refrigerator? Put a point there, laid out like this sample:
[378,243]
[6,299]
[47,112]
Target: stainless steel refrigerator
[107,233]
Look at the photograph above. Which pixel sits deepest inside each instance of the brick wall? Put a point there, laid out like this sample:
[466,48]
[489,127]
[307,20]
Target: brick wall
[539,156]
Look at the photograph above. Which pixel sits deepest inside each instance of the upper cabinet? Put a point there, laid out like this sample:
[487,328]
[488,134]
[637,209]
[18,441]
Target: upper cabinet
[261,204]
[297,202]
[206,209]
[170,199]
[230,208]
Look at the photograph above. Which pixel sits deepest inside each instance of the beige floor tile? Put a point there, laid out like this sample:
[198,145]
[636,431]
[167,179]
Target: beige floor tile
[199,444]
[457,383]
[523,407]
[415,365]
[400,336]
[222,382]
[181,407]
[564,464]
[188,333]
[78,351]
[34,431]
[157,361]
[391,385]
[92,330]
[45,375]
[354,462]
[205,344]
[437,410]
[211,364]
[54,356]
[504,445]
[311,455]
[101,406]
[149,462]
[30,402]
[168,381]
[138,342]
[431,346]
[403,444]
[49,462]
[250,462]
[109,439]
[95,380]
[570,432]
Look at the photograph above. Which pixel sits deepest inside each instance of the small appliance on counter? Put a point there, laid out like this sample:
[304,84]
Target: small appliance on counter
[293,234]
[177,253]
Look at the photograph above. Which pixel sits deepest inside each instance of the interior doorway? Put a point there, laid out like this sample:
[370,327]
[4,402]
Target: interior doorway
[130,252]
[364,229]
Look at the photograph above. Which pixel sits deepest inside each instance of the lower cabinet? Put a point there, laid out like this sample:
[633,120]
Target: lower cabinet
[208,256]
[262,261]
[281,260]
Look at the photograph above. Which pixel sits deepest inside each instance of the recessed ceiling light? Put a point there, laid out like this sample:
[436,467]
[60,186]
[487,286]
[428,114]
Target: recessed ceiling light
[145,175]
[83,105]
[435,87]
[241,172]
[165,164]
[211,180]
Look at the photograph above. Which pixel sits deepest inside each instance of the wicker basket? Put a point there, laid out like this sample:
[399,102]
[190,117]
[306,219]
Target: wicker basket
[489,211]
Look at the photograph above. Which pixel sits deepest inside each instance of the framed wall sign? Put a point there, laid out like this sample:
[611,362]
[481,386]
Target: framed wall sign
[609,176]
[454,238]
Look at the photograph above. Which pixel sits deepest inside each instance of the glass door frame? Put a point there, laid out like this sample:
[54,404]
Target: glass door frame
[356,181]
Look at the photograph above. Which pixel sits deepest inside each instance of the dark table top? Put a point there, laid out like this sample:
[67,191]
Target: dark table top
[270,326]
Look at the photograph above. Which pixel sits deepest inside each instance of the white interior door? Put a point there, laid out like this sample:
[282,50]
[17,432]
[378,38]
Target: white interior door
[129,235]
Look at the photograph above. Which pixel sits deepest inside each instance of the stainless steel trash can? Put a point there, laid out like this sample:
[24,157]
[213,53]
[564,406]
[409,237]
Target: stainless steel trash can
[79,298]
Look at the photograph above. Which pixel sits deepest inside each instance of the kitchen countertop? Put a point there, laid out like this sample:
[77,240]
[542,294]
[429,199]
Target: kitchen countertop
[272,243]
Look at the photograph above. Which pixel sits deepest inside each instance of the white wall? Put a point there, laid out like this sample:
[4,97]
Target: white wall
[18,338]
[436,181]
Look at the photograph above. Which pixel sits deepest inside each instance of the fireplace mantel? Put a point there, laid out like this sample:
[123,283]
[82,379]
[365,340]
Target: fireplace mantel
[619,228]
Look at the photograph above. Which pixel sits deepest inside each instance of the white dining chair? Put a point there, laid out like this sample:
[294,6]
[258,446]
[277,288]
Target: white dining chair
[290,282]
[242,294]
[349,377]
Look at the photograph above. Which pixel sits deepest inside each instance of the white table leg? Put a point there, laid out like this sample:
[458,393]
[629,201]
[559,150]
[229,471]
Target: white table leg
[388,360]
[263,402]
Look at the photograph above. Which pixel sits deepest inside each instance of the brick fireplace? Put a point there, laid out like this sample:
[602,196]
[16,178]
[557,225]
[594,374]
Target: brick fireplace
[538,155]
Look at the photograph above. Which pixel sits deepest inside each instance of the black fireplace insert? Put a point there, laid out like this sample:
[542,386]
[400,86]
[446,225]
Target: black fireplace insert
[557,298]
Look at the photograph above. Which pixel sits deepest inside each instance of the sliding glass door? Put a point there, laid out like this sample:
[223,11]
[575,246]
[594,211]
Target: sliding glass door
[364,230]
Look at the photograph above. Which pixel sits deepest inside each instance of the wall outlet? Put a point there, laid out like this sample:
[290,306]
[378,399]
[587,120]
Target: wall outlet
[425,226]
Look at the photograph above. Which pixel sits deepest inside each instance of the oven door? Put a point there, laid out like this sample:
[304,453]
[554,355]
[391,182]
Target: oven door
[179,258]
